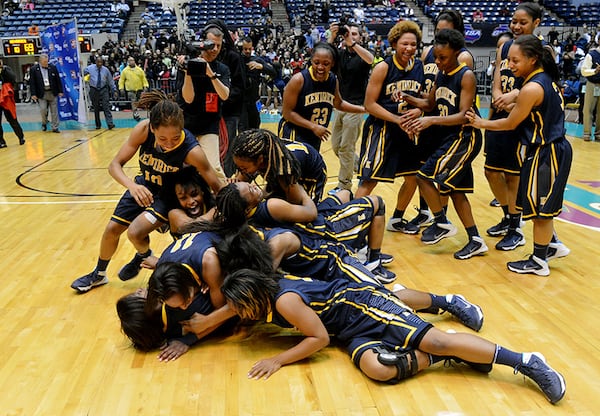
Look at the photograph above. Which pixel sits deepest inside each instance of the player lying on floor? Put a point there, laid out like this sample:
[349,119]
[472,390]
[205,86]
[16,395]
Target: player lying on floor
[384,338]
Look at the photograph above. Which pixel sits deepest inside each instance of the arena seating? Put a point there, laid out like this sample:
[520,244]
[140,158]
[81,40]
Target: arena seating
[231,11]
[587,13]
[339,9]
[491,10]
[90,14]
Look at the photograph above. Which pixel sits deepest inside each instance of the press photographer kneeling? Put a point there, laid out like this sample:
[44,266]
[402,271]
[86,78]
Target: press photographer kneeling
[202,86]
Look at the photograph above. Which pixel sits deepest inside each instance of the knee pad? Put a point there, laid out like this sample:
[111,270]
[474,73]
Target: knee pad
[405,362]
[381,210]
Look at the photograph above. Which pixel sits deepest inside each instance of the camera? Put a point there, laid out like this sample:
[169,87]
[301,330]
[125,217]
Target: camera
[342,29]
[203,45]
[196,68]
[192,64]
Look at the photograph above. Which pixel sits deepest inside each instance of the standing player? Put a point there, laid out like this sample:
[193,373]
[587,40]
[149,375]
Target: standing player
[163,146]
[449,167]
[429,139]
[538,114]
[386,150]
[503,149]
[310,97]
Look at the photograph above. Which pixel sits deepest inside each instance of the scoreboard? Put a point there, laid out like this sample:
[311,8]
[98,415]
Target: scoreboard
[30,45]
[85,43]
[24,46]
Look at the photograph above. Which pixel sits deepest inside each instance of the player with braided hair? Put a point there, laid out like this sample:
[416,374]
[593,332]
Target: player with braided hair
[261,152]
[163,146]
[385,339]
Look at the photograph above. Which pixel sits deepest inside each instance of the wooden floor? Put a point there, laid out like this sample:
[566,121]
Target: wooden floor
[64,354]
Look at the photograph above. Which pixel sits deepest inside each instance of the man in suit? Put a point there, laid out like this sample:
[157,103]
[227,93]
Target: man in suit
[45,86]
[102,86]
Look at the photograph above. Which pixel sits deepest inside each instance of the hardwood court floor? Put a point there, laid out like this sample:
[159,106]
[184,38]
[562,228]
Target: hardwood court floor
[64,354]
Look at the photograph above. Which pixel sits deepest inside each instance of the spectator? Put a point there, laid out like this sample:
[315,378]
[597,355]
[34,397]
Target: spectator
[7,103]
[28,5]
[45,86]
[33,30]
[571,89]
[591,70]
[233,106]
[147,16]
[255,68]
[101,86]
[478,16]
[133,82]
[353,74]
[122,9]
[359,15]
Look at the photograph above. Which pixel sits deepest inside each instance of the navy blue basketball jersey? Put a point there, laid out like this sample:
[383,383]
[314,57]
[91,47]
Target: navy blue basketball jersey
[319,258]
[260,216]
[447,97]
[155,162]
[398,78]
[312,167]
[189,250]
[171,317]
[508,81]
[430,69]
[315,103]
[347,309]
[546,123]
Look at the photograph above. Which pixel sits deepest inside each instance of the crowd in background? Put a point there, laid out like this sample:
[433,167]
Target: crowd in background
[155,49]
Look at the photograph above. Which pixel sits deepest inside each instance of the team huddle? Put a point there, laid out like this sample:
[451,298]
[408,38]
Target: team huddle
[278,250]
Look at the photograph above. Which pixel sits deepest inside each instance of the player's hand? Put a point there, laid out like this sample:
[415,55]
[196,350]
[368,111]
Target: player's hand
[197,323]
[142,195]
[417,125]
[409,99]
[321,132]
[408,115]
[254,65]
[150,262]
[474,119]
[172,350]
[264,368]
[503,102]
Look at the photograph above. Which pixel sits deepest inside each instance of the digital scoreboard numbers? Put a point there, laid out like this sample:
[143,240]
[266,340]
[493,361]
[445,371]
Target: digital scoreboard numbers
[25,46]
[29,46]
[85,43]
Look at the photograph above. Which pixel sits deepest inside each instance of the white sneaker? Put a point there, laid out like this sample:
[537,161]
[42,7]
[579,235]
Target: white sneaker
[557,250]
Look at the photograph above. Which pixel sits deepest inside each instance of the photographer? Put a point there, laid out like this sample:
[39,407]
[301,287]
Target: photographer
[232,107]
[255,67]
[353,74]
[203,85]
